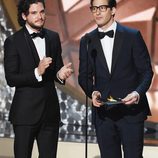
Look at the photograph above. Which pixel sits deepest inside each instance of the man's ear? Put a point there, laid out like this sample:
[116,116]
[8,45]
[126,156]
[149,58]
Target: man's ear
[24,16]
[113,11]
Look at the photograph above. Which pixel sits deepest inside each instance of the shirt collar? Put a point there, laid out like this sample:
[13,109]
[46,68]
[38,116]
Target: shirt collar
[29,29]
[112,27]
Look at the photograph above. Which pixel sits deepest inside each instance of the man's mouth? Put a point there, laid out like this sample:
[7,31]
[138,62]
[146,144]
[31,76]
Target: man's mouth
[98,18]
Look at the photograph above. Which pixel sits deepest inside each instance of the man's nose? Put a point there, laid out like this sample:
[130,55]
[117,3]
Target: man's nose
[39,15]
[98,11]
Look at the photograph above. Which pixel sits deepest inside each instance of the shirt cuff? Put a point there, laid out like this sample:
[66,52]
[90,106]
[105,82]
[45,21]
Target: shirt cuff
[57,75]
[38,77]
[95,93]
[138,96]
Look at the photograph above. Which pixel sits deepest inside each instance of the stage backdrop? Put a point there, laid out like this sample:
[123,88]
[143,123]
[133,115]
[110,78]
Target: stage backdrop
[72,19]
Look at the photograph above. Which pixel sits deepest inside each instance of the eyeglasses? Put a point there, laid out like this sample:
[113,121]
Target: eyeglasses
[102,8]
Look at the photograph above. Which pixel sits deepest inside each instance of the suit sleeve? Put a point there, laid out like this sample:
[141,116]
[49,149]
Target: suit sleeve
[59,61]
[14,77]
[86,72]
[143,64]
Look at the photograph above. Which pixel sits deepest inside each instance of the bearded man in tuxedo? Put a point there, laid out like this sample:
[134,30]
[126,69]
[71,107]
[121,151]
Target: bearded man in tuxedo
[32,62]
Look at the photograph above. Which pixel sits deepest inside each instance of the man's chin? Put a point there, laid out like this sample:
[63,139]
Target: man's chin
[38,27]
[100,25]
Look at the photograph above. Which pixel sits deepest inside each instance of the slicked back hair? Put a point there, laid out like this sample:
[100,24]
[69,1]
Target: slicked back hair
[111,3]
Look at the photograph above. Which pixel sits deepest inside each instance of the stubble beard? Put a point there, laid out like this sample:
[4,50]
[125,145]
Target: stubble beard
[37,27]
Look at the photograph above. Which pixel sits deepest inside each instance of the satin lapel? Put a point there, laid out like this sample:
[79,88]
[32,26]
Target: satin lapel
[100,54]
[31,47]
[118,41]
[47,44]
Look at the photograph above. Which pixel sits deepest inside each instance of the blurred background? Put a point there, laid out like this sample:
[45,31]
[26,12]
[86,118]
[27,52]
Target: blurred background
[72,19]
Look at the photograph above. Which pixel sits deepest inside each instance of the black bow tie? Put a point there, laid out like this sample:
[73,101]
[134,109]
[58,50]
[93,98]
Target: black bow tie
[40,34]
[108,33]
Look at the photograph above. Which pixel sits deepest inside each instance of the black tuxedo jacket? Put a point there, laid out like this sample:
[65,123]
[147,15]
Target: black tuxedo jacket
[32,99]
[131,71]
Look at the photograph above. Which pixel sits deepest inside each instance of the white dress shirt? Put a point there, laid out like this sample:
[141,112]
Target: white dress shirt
[107,44]
[41,50]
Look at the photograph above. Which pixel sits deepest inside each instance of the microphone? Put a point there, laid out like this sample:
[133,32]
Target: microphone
[88,40]
[94,55]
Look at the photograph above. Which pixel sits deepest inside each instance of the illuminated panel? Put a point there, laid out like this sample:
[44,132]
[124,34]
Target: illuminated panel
[152,97]
[79,6]
[67,4]
[145,15]
[77,38]
[155,56]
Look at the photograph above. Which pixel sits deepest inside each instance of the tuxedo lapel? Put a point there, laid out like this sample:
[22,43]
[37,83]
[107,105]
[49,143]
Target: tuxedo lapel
[100,54]
[47,44]
[118,41]
[31,47]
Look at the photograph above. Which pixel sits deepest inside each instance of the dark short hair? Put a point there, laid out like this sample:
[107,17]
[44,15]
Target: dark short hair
[111,3]
[23,7]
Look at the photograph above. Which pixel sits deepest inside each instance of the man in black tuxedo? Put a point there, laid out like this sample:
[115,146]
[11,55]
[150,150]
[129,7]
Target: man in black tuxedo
[114,62]
[32,62]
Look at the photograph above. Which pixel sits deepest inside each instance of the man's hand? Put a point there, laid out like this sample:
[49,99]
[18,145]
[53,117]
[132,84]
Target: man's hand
[132,98]
[43,65]
[96,95]
[65,71]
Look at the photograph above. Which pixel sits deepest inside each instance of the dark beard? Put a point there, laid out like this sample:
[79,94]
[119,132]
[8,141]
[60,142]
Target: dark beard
[36,27]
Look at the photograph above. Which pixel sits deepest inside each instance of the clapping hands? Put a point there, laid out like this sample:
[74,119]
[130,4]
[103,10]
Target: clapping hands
[65,72]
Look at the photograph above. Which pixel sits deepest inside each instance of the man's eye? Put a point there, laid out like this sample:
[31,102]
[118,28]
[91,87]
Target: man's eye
[102,7]
[33,13]
[43,12]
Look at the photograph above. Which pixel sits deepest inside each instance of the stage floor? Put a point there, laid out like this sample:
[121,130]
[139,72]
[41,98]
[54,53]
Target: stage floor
[69,150]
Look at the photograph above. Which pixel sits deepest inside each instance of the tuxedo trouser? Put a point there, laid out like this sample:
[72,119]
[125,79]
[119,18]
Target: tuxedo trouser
[46,136]
[112,134]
